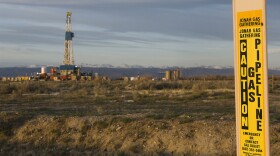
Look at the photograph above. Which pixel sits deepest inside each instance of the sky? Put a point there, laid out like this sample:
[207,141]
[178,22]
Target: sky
[185,33]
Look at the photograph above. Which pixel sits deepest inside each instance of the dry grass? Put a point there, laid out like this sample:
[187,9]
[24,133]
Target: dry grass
[123,118]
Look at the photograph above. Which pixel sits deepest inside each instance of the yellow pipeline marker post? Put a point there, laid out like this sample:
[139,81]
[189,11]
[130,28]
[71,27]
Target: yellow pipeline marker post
[251,81]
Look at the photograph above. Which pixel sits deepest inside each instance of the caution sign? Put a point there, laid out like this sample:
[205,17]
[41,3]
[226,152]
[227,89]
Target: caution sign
[251,83]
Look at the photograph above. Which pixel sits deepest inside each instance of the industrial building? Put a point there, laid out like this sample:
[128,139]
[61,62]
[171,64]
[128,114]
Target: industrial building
[67,71]
[173,74]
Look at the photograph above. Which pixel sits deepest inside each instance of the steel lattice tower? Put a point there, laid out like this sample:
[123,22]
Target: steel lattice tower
[68,52]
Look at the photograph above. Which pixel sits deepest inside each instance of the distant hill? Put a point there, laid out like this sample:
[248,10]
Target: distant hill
[155,72]
[118,72]
[18,71]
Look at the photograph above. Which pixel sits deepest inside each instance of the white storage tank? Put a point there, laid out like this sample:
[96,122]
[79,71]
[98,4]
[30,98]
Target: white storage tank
[43,70]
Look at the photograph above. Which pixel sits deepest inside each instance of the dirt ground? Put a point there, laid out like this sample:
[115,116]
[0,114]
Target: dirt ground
[195,120]
[93,135]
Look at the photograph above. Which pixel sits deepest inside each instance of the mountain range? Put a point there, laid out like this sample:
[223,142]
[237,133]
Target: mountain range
[130,71]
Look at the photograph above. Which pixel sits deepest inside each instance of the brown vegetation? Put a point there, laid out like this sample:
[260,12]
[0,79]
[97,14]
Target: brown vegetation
[123,118]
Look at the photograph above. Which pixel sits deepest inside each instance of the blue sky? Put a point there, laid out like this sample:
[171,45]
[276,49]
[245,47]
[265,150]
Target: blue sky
[183,33]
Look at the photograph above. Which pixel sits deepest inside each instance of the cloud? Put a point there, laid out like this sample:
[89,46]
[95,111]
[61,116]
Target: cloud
[273,50]
[136,28]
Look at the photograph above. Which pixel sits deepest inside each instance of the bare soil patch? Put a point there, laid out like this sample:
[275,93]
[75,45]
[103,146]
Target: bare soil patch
[123,118]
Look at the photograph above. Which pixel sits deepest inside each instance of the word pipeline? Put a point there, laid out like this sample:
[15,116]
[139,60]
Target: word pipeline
[251,84]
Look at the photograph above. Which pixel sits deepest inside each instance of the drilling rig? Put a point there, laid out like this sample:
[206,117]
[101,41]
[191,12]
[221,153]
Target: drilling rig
[68,52]
[68,70]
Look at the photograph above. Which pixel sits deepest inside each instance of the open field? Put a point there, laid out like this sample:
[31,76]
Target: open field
[123,118]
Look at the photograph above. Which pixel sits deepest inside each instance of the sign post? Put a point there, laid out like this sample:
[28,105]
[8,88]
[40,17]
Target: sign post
[251,87]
